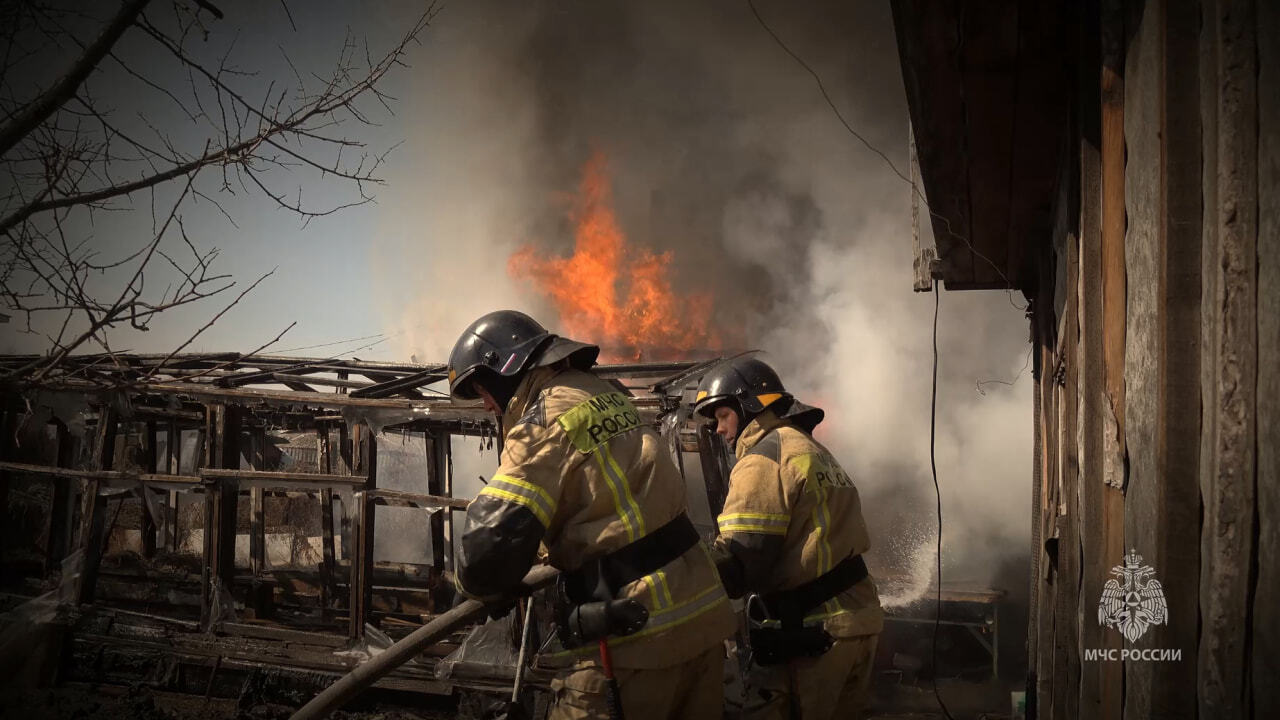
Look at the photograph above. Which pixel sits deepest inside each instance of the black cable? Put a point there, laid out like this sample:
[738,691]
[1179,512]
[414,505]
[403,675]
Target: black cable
[825,96]
[933,465]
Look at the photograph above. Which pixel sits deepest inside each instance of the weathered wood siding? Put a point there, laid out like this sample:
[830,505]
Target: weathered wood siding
[1230,371]
[1168,420]
[1144,62]
[1266,596]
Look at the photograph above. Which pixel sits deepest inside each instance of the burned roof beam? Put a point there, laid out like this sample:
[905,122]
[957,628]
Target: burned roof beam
[262,376]
[638,370]
[677,381]
[402,385]
[286,378]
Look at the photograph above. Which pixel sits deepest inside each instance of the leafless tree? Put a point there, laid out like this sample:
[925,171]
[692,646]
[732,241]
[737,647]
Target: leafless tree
[195,129]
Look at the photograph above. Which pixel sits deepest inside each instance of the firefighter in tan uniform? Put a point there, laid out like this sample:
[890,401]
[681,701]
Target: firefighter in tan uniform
[791,540]
[582,475]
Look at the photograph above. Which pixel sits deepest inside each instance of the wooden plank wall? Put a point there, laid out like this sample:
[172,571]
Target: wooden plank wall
[1178,430]
[1102,263]
[1266,596]
[1229,378]
[1037,686]
[1044,333]
[1091,398]
[1144,61]
[1165,436]
[1066,650]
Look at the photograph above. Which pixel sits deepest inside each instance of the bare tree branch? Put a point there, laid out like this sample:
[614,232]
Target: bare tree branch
[70,155]
[42,107]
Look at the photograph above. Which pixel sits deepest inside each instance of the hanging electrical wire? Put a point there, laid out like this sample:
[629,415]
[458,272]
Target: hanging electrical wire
[915,188]
[933,466]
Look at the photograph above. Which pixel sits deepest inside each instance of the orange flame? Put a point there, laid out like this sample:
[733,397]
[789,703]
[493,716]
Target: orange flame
[612,293]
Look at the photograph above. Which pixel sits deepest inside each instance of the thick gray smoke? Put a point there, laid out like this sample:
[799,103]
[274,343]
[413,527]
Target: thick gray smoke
[722,151]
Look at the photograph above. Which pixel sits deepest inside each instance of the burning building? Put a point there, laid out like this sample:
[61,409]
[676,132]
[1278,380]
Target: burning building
[617,292]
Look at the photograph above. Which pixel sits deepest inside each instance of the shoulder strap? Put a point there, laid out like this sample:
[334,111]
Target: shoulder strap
[769,446]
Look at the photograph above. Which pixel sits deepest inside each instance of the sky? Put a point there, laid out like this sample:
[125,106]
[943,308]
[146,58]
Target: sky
[719,149]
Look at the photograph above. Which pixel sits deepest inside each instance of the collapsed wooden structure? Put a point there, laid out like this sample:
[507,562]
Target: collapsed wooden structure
[197,441]
[223,466]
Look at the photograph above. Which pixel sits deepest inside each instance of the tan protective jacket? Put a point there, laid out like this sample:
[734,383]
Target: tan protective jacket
[583,474]
[791,514]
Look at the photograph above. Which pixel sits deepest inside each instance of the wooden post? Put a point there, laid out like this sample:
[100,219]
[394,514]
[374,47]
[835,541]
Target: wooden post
[328,569]
[222,435]
[149,523]
[262,594]
[257,509]
[8,422]
[174,463]
[93,507]
[446,475]
[346,467]
[60,507]
[436,470]
[366,444]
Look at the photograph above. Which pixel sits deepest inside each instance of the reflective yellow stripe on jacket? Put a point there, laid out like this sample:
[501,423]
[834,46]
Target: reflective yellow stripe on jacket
[767,523]
[523,493]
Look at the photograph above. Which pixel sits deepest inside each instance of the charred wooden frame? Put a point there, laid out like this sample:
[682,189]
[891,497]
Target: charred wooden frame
[139,414]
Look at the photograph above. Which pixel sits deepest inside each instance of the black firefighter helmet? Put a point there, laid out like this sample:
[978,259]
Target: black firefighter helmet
[745,381]
[749,386]
[500,346]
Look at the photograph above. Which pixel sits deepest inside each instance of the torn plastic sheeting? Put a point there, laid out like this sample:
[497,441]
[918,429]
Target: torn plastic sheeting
[44,608]
[153,508]
[346,496]
[374,642]
[379,418]
[487,651]
[223,608]
[71,409]
[402,461]
[35,624]
[108,489]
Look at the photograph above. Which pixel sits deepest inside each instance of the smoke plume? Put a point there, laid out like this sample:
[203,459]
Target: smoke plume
[722,151]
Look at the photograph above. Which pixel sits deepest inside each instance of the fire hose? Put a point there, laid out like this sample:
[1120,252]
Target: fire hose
[353,683]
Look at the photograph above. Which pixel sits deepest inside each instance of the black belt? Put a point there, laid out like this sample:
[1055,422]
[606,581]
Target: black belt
[790,606]
[603,578]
